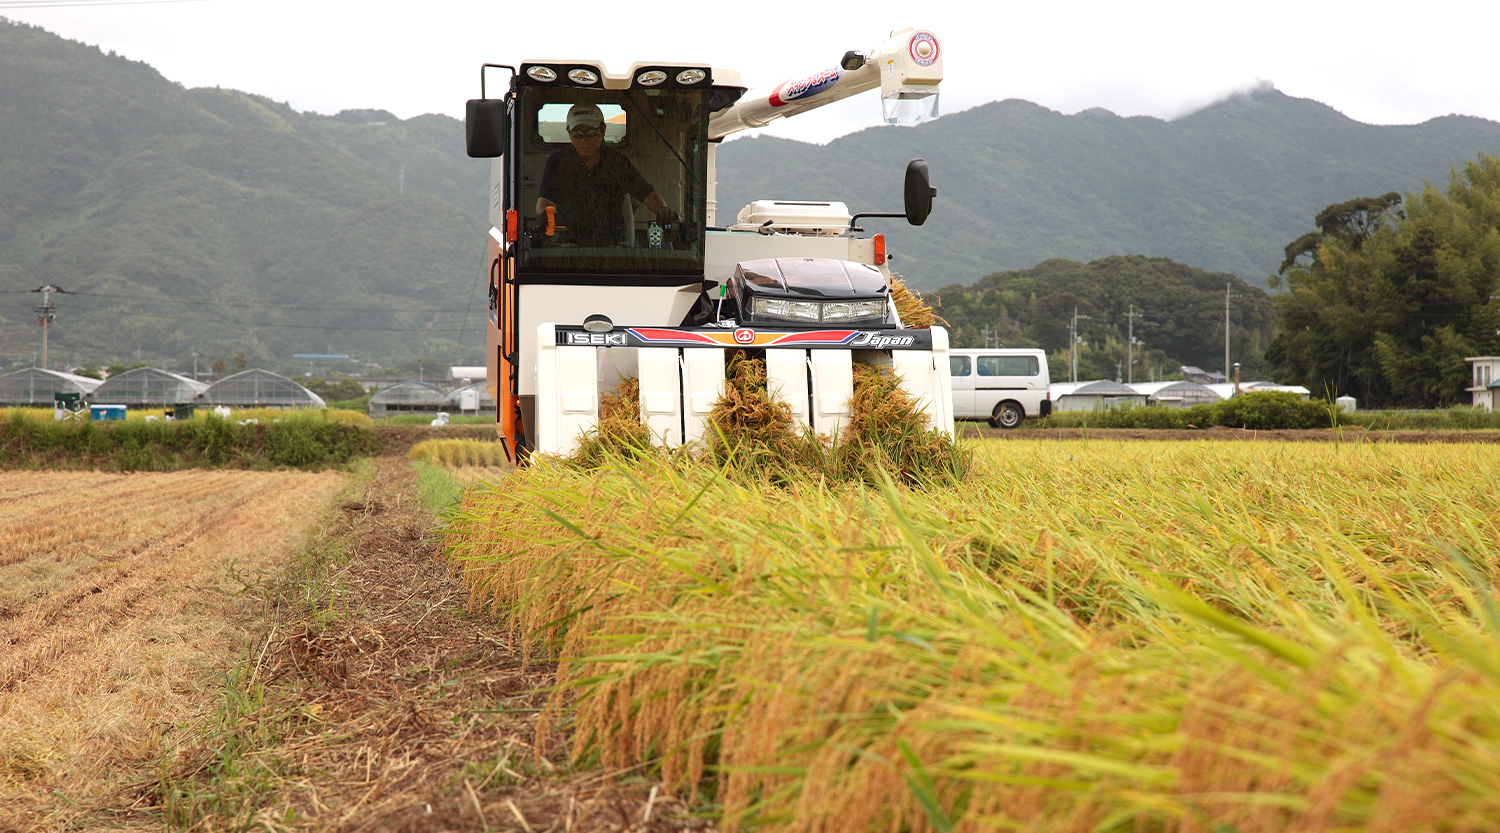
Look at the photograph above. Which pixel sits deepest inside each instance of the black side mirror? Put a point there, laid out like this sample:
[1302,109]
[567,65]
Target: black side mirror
[919,191]
[486,124]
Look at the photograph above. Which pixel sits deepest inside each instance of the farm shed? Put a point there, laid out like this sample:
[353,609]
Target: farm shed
[1093,396]
[35,386]
[147,386]
[256,388]
[469,398]
[1175,394]
[408,397]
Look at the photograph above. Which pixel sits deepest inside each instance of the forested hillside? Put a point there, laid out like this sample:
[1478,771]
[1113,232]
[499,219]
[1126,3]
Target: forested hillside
[1222,189]
[1179,316]
[221,222]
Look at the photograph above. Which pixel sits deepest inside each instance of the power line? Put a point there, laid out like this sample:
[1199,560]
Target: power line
[62,4]
[277,326]
[260,304]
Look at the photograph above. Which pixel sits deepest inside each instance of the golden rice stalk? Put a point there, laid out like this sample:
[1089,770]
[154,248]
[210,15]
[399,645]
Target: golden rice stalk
[916,313]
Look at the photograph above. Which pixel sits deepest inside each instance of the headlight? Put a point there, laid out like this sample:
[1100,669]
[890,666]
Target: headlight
[815,312]
[785,310]
[853,311]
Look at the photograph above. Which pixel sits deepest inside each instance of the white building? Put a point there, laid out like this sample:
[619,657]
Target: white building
[1485,381]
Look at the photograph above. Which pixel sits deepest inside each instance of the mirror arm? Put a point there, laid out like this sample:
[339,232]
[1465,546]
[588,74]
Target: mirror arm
[483,67]
[853,221]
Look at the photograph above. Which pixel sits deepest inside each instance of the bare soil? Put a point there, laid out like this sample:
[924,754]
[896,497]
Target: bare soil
[397,708]
[1219,434]
[120,602]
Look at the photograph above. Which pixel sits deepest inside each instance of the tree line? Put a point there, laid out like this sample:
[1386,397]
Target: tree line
[1390,294]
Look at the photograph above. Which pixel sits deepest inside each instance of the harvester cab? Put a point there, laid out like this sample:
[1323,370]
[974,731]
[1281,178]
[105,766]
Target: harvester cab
[609,258]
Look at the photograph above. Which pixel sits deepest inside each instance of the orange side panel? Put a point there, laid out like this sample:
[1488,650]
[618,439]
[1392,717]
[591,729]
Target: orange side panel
[501,342]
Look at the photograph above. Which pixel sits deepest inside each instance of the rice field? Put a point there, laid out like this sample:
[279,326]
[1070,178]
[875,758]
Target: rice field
[1084,636]
[460,454]
[121,605]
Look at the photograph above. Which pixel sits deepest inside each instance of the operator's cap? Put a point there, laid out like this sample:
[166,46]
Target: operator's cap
[587,115]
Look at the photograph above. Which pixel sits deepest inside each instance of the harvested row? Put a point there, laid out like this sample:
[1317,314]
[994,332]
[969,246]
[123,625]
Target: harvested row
[111,629]
[1088,636]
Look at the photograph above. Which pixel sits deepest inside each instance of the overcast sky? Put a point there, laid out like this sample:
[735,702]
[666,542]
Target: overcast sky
[1134,58]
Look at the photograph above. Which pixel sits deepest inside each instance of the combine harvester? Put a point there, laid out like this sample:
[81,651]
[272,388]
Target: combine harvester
[607,260]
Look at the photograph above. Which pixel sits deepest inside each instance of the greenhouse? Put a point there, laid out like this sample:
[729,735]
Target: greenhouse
[257,388]
[408,397]
[147,386]
[35,386]
[469,399]
[1175,394]
[1093,396]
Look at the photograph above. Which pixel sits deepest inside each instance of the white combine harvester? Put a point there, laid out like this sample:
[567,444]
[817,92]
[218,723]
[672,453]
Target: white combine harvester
[607,257]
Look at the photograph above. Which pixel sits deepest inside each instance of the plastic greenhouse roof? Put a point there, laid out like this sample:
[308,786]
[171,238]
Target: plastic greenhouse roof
[484,396]
[261,388]
[409,392]
[35,386]
[147,386]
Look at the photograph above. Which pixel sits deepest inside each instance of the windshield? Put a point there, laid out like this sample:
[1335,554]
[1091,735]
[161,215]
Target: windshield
[617,176]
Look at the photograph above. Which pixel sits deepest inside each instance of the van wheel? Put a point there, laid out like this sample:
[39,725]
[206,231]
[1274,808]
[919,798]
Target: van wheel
[1007,415]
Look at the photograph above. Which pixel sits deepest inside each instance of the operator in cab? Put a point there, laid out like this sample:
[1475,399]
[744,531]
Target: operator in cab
[587,184]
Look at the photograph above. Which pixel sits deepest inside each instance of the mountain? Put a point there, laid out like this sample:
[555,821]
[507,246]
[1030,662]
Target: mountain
[1178,315]
[220,222]
[1222,189]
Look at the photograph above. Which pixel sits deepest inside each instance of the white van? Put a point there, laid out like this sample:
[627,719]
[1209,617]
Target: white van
[1004,386]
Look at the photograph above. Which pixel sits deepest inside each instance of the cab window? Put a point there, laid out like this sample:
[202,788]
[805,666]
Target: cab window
[601,225]
[1008,366]
[552,123]
[958,365]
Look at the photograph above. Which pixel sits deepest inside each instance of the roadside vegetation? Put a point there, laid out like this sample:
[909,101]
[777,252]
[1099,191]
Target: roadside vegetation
[1085,636]
[295,439]
[1270,411]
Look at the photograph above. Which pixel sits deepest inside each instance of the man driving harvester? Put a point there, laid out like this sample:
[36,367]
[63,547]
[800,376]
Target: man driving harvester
[585,185]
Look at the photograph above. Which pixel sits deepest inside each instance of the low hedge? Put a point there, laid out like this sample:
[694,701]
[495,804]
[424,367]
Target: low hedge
[303,442]
[1257,411]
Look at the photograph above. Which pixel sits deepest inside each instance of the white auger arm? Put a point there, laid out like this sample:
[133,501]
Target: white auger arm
[907,67]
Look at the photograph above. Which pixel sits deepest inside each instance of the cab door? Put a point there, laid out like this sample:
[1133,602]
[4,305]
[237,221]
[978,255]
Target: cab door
[962,369]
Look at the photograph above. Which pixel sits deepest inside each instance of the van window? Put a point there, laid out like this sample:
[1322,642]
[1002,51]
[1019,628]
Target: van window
[958,365]
[1008,366]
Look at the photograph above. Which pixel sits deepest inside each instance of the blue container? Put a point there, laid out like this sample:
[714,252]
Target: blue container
[107,412]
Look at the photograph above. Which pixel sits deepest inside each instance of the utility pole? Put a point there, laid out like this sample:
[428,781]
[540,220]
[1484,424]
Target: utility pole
[195,365]
[1227,296]
[1073,344]
[1130,318]
[46,312]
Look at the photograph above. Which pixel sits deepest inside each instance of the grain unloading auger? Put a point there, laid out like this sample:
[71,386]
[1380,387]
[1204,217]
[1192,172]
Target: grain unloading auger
[607,260]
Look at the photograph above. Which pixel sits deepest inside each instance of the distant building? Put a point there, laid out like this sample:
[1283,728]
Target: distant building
[1485,381]
[256,388]
[1200,376]
[146,387]
[1093,396]
[35,386]
[475,397]
[408,397]
[1175,394]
